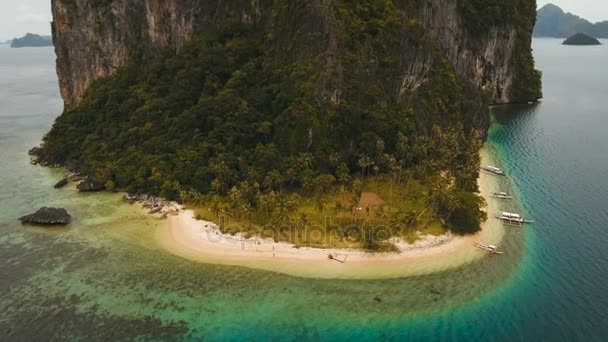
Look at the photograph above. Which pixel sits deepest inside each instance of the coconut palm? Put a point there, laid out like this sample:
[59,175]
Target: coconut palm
[320,203]
[441,198]
[403,149]
[215,205]
[364,163]
[273,180]
[236,200]
[357,189]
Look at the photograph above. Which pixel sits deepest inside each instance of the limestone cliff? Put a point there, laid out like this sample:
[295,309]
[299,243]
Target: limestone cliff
[95,38]
[239,102]
[168,95]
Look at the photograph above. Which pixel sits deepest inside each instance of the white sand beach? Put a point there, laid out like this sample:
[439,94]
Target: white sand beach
[202,241]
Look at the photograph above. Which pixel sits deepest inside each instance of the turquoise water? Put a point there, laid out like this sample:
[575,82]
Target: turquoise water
[104,277]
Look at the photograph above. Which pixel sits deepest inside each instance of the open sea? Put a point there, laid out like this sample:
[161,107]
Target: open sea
[105,277]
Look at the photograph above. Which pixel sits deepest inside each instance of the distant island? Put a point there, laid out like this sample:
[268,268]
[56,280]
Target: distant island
[32,40]
[581,39]
[552,21]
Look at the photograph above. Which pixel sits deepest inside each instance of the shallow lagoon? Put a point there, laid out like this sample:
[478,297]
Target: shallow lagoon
[105,276]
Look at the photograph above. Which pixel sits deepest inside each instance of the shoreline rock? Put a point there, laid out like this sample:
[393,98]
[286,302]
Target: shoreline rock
[70,177]
[63,182]
[89,185]
[156,205]
[47,217]
[35,151]
[38,157]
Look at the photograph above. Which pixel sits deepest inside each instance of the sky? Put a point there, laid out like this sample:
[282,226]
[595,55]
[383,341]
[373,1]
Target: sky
[18,17]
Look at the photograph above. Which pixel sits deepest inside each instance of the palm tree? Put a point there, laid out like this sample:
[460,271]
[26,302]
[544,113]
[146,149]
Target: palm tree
[381,212]
[236,200]
[217,186]
[215,205]
[265,129]
[420,148]
[452,202]
[343,173]
[267,203]
[320,203]
[379,151]
[338,207]
[245,209]
[376,169]
[364,163]
[305,160]
[273,181]
[357,189]
[410,219]
[282,210]
[303,220]
[323,183]
[440,197]
[403,148]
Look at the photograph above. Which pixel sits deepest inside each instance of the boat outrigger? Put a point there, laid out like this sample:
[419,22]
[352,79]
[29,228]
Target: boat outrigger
[493,170]
[501,195]
[512,219]
[488,248]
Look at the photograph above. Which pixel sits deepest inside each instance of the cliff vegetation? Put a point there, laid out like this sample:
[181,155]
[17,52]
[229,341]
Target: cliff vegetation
[346,110]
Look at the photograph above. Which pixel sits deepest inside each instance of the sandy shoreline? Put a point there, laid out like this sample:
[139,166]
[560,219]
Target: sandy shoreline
[201,241]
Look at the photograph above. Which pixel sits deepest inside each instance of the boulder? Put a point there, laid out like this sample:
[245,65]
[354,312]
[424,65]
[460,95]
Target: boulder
[89,185]
[131,197]
[156,209]
[36,155]
[63,182]
[74,177]
[36,151]
[48,217]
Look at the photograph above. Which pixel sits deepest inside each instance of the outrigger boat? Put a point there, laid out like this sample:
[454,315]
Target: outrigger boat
[488,248]
[493,170]
[512,219]
[501,195]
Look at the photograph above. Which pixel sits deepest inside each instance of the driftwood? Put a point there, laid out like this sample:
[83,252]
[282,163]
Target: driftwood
[336,258]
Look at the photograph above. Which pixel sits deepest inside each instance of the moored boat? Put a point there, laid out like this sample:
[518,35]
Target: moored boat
[512,219]
[489,248]
[501,195]
[493,170]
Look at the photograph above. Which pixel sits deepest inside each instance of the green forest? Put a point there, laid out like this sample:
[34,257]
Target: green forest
[275,125]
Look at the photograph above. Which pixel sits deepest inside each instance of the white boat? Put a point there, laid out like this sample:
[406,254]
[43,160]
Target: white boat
[501,195]
[493,170]
[489,248]
[512,219]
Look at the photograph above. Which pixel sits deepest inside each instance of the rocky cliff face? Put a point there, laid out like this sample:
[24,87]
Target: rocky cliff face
[93,39]
[165,96]
[490,65]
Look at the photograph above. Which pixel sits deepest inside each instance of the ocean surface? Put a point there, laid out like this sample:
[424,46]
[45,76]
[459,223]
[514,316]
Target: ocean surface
[105,277]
